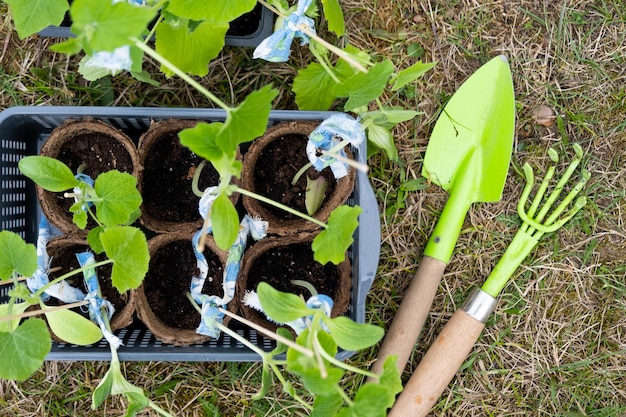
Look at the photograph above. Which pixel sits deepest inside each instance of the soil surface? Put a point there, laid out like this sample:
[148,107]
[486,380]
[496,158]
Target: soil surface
[93,154]
[279,266]
[275,169]
[65,258]
[168,280]
[168,173]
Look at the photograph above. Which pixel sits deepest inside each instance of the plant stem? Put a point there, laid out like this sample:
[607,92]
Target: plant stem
[153,30]
[43,311]
[337,51]
[285,385]
[196,179]
[323,62]
[153,54]
[241,339]
[318,349]
[158,409]
[305,284]
[13,281]
[300,172]
[268,333]
[351,162]
[279,205]
[271,8]
[347,367]
[69,274]
[345,396]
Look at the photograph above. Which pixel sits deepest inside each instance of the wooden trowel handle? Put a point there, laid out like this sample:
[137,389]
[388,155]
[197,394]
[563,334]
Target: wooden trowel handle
[443,359]
[409,320]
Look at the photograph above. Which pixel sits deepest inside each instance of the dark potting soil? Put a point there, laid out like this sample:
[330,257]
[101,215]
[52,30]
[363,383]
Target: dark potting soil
[92,154]
[168,280]
[279,266]
[168,174]
[95,153]
[65,258]
[275,169]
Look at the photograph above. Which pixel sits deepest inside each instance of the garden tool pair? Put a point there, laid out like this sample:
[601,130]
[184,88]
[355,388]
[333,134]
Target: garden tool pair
[475,132]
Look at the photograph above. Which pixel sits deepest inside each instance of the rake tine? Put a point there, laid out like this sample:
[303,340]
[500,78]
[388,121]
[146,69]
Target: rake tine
[561,184]
[568,199]
[554,156]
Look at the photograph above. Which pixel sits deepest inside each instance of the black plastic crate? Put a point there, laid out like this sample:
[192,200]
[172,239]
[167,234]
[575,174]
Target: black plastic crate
[262,26]
[23,130]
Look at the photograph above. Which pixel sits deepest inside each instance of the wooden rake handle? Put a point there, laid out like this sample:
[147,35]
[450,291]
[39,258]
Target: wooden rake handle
[409,320]
[445,357]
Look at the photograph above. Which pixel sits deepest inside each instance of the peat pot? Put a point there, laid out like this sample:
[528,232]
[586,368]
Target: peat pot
[162,302]
[90,147]
[281,260]
[269,168]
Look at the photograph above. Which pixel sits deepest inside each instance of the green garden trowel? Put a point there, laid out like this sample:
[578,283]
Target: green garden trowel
[546,214]
[468,155]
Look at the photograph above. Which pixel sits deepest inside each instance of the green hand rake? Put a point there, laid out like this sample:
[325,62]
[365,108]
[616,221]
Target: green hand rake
[456,340]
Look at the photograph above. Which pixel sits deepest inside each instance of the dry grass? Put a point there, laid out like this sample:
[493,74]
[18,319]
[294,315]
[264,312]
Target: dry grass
[557,342]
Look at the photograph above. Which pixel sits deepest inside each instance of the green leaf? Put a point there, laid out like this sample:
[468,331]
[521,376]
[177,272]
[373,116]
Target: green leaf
[350,335]
[326,405]
[382,138]
[49,173]
[333,242]
[282,307]
[249,120]
[410,74]
[31,16]
[190,50]
[217,10]
[416,184]
[103,390]
[24,349]
[118,197]
[313,87]
[374,398]
[371,400]
[202,140]
[281,347]
[93,238]
[144,77]
[21,291]
[17,309]
[127,247]
[390,376]
[80,216]
[315,194]
[16,256]
[71,46]
[73,328]
[218,142]
[225,221]
[104,26]
[365,87]
[390,117]
[114,383]
[308,368]
[334,16]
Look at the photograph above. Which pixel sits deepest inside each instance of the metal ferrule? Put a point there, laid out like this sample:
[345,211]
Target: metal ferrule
[480,305]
